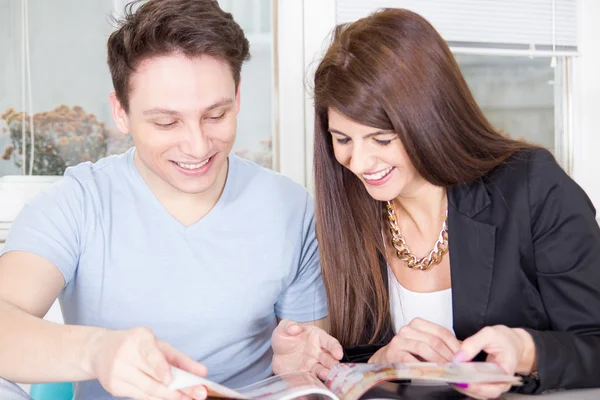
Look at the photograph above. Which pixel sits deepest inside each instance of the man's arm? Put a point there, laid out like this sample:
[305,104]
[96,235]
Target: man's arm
[42,255]
[130,364]
[322,323]
[34,350]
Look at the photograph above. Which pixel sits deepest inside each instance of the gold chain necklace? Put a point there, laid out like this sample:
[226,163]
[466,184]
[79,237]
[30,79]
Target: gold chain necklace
[403,252]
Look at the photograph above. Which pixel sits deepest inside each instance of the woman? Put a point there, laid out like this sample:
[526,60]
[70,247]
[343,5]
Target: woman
[434,228]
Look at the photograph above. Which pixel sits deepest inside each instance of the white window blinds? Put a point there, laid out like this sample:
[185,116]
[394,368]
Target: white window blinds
[534,25]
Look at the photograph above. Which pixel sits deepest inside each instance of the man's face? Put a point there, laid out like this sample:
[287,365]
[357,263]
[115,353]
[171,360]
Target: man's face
[183,118]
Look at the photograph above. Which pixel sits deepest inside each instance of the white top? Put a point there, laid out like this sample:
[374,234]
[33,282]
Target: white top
[405,305]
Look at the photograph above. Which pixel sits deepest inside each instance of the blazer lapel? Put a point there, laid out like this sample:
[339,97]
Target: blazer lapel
[472,245]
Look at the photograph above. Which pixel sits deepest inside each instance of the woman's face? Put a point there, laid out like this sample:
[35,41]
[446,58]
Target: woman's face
[375,156]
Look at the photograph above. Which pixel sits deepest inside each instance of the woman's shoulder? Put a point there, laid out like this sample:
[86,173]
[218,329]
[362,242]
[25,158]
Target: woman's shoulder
[535,173]
[534,167]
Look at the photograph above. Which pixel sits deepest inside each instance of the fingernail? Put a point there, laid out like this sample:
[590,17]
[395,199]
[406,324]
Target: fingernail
[460,356]
[291,325]
[461,385]
[200,392]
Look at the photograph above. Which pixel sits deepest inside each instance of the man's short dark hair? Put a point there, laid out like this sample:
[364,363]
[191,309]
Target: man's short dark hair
[160,27]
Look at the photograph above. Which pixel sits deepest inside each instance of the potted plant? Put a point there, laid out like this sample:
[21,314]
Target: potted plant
[63,137]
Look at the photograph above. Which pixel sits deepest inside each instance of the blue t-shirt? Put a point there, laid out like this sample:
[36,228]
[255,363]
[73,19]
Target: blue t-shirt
[213,289]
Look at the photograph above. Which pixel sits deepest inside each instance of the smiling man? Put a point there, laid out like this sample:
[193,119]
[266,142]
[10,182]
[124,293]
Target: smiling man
[174,253]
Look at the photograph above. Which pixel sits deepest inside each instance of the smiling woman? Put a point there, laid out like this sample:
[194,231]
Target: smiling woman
[440,235]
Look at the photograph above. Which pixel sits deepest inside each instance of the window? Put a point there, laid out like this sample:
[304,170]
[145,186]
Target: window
[519,95]
[53,67]
[255,122]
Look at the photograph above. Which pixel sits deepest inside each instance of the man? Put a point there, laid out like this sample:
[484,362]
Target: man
[174,253]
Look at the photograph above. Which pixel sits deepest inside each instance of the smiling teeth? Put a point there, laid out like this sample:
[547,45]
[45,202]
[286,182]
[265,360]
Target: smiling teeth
[379,175]
[193,166]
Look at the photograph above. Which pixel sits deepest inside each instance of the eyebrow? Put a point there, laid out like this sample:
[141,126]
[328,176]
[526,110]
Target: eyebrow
[166,111]
[372,134]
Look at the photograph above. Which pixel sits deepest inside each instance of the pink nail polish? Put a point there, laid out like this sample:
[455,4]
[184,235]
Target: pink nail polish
[460,356]
[461,385]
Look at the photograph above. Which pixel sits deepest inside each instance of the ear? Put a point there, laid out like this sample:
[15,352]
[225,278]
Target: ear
[237,97]
[119,114]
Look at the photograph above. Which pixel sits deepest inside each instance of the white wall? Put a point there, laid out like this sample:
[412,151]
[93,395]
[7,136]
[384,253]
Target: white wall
[586,107]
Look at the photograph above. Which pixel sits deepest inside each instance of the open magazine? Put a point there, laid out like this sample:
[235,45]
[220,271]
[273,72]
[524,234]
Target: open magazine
[349,381]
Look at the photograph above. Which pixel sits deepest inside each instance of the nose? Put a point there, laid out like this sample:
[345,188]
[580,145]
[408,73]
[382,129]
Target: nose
[363,160]
[195,143]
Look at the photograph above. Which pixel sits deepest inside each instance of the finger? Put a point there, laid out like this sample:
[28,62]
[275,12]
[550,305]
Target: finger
[436,330]
[127,390]
[180,360]
[155,364]
[200,393]
[320,371]
[435,342]
[485,390]
[293,329]
[196,392]
[416,348]
[331,344]
[378,357]
[327,360]
[401,357]
[185,396]
[152,388]
[475,344]
[287,327]
[466,392]
[389,355]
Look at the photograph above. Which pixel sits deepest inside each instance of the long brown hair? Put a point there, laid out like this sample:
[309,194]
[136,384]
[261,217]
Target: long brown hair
[391,71]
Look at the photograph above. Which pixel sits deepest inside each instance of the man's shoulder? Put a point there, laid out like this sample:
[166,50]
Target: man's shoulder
[103,168]
[87,180]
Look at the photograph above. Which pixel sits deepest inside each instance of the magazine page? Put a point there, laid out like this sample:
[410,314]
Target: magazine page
[350,381]
[286,387]
[183,379]
[282,387]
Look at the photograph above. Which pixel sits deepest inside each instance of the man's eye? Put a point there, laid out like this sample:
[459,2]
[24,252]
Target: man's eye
[165,126]
[218,117]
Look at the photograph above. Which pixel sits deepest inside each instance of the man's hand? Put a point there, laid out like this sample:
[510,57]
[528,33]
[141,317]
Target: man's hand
[134,364]
[303,347]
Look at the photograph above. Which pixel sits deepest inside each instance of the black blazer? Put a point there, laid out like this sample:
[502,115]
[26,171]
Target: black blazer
[525,252]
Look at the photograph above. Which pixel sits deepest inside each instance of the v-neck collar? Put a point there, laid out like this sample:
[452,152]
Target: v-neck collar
[165,214]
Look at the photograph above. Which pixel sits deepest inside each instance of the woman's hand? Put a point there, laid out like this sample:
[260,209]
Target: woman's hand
[304,348]
[512,349]
[420,340]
